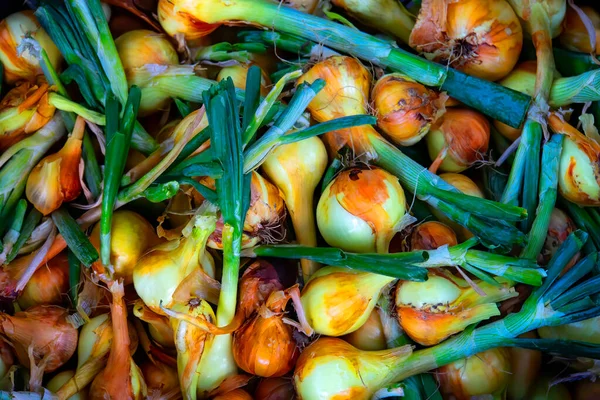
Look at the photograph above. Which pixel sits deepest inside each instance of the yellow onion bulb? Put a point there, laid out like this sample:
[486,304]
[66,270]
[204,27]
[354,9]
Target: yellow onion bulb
[60,379]
[484,373]
[331,368]
[585,331]
[457,140]
[239,74]
[431,235]
[339,300]
[575,35]
[47,285]
[139,48]
[159,326]
[370,335]
[361,210]
[405,109]
[159,377]
[24,110]
[236,394]
[24,66]
[346,92]
[131,236]
[46,330]
[274,389]
[433,310]
[175,19]
[525,367]
[483,39]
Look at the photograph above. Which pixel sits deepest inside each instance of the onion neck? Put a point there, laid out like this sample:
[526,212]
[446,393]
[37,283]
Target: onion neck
[542,39]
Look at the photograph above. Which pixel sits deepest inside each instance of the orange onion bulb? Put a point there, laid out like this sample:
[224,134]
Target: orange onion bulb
[457,140]
[406,109]
[175,20]
[575,35]
[485,373]
[433,310]
[257,283]
[361,210]
[236,394]
[370,336]
[159,377]
[239,74]
[483,39]
[431,235]
[274,389]
[131,236]
[47,285]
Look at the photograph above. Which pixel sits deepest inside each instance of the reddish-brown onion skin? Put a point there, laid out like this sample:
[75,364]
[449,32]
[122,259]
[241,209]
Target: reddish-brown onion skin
[275,389]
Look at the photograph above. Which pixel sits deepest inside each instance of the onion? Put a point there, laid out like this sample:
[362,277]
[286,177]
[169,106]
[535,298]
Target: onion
[545,389]
[157,274]
[60,379]
[159,377]
[274,389]
[296,169]
[7,360]
[339,300]
[586,390]
[555,11]
[585,331]
[141,49]
[484,373]
[405,108]
[46,331]
[237,394]
[331,368]
[457,140]
[257,283]
[561,226]
[175,21]
[24,66]
[307,6]
[370,336]
[24,110]
[159,326]
[575,35]
[131,237]
[525,366]
[239,74]
[361,210]
[47,285]
[483,39]
[432,235]
[55,179]
[431,311]
[121,378]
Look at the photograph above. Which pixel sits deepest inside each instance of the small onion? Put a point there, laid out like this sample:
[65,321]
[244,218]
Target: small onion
[131,236]
[575,35]
[457,140]
[239,74]
[60,379]
[176,21]
[160,378]
[431,311]
[483,39]
[159,326]
[47,285]
[484,373]
[257,283]
[25,66]
[406,109]
[370,335]
[431,235]
[584,331]
[561,226]
[361,210]
[274,389]
[339,300]
[236,394]
[525,367]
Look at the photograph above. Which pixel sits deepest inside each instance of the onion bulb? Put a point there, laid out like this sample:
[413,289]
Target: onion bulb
[24,66]
[575,35]
[160,378]
[457,140]
[406,109]
[45,330]
[346,92]
[484,373]
[139,48]
[131,236]
[330,368]
[296,169]
[546,389]
[122,378]
[587,330]
[257,283]
[47,285]
[483,39]
[55,179]
[554,11]
[24,110]
[239,74]
[158,273]
[370,336]
[431,235]
[431,311]
[561,226]
[525,367]
[339,300]
[60,379]
[175,20]
[586,390]
[361,210]
[236,394]
[7,360]
[159,326]
[274,389]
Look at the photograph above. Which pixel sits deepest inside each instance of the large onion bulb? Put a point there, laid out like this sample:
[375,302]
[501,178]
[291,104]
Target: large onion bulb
[575,35]
[47,285]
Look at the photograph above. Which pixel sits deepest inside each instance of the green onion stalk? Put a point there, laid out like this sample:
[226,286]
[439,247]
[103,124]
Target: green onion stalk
[499,103]
[11,237]
[559,300]
[224,53]
[29,224]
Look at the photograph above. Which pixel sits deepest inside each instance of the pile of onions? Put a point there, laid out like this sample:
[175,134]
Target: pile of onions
[483,39]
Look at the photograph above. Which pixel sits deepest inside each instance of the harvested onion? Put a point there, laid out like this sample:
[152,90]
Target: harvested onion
[587,330]
[159,377]
[575,35]
[525,367]
[47,285]
[431,235]
[60,379]
[370,336]
[274,389]
[239,74]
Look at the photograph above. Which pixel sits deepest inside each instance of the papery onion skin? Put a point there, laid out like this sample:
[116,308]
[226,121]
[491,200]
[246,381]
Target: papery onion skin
[360,210]
[575,35]
[338,300]
[13,29]
[554,9]
[259,280]
[431,235]
[405,109]
[7,360]
[370,336]
[60,379]
[561,226]
[159,377]
[175,20]
[131,236]
[525,367]
[237,394]
[275,389]
[159,326]
[464,133]
[483,39]
[483,373]
[585,331]
[47,285]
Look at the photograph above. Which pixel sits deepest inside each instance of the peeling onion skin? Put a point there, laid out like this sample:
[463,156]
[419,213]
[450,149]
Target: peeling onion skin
[275,389]
[575,35]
